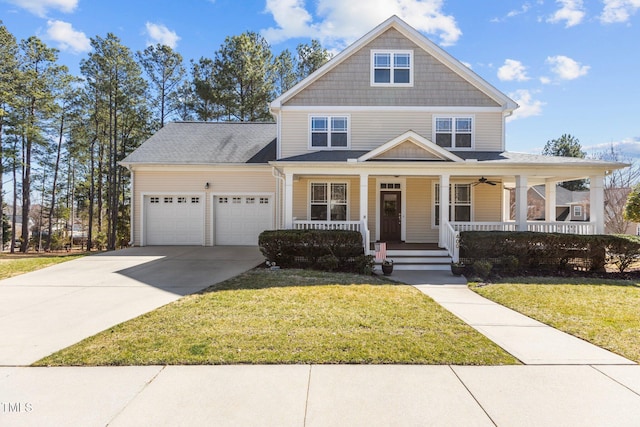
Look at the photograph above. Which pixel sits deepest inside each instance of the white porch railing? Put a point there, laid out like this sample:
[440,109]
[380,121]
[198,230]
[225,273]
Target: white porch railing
[360,226]
[451,242]
[484,226]
[584,228]
[327,225]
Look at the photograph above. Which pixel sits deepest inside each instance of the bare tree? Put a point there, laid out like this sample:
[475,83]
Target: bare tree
[617,186]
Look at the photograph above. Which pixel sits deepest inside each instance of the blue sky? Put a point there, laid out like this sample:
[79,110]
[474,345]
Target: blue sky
[572,65]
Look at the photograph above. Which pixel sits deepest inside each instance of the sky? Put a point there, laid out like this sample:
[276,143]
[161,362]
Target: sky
[571,65]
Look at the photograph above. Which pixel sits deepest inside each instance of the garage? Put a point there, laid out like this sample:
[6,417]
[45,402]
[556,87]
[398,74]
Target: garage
[174,219]
[239,219]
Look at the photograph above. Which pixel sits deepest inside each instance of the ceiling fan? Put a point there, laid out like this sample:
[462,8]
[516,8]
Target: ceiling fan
[483,180]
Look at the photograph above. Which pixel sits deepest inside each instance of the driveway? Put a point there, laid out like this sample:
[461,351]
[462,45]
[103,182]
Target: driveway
[52,308]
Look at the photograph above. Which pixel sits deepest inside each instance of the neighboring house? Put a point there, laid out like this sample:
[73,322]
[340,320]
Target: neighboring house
[570,205]
[393,138]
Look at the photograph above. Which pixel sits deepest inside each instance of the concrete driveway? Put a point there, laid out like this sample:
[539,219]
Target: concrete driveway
[50,309]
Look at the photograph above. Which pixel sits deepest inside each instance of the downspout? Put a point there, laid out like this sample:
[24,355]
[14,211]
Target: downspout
[278,176]
[132,213]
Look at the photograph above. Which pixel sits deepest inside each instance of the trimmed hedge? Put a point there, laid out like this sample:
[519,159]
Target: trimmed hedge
[328,250]
[526,252]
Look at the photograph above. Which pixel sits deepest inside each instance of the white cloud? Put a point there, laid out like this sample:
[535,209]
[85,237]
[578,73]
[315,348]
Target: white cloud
[572,12]
[545,80]
[618,10]
[339,22]
[528,106]
[159,33]
[628,147]
[524,9]
[513,70]
[40,7]
[68,38]
[566,68]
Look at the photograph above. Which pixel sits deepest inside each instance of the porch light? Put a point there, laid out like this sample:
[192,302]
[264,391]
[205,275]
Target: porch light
[206,186]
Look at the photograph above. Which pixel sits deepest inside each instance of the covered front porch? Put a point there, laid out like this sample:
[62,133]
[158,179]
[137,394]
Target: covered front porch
[406,208]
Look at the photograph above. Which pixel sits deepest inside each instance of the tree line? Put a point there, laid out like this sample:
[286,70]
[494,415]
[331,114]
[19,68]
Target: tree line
[62,136]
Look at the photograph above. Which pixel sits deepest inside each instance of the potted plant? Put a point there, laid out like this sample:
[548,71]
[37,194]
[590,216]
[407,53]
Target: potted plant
[387,266]
[457,268]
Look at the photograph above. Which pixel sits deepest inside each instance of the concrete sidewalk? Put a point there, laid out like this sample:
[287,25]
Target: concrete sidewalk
[50,309]
[532,342]
[321,395]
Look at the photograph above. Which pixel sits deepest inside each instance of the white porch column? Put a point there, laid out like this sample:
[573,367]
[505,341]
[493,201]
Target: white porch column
[596,210]
[288,200]
[521,202]
[550,201]
[444,208]
[364,196]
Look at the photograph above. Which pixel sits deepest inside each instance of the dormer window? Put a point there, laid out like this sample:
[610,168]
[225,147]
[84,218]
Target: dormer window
[454,132]
[392,68]
[329,132]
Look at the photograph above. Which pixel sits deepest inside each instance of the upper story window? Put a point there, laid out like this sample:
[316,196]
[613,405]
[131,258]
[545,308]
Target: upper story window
[577,210]
[392,68]
[329,131]
[454,132]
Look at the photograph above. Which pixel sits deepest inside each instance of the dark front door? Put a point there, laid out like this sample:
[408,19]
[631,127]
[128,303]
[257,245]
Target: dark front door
[390,216]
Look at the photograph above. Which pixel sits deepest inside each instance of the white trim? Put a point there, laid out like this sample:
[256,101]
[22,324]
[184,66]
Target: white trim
[418,109]
[575,211]
[202,195]
[403,203]
[452,194]
[311,147]
[328,182]
[391,52]
[413,137]
[453,118]
[132,213]
[424,43]
[212,200]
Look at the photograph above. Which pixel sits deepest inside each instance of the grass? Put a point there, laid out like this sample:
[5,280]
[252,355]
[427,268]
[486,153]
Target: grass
[291,317]
[14,265]
[603,312]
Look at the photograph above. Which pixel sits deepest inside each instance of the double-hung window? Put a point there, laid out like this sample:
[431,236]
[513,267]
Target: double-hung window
[392,68]
[329,131]
[459,203]
[328,201]
[454,132]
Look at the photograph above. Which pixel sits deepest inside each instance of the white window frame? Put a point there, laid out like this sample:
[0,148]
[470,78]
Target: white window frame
[328,202]
[577,210]
[392,67]
[454,130]
[452,202]
[329,118]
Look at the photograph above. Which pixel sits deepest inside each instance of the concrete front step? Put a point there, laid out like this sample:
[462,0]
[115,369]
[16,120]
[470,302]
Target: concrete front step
[425,253]
[427,267]
[406,259]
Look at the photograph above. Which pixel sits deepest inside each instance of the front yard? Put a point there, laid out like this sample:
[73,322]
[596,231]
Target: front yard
[291,316]
[16,264]
[603,312]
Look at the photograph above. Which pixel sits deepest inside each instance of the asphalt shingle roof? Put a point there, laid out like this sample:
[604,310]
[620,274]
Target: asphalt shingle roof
[208,143]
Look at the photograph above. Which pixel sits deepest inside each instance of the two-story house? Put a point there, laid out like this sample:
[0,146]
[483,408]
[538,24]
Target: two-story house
[393,137]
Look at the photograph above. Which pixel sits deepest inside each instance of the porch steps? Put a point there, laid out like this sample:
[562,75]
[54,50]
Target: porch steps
[424,259]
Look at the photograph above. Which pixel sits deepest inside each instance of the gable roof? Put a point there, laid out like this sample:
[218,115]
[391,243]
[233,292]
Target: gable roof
[420,40]
[196,143]
[435,151]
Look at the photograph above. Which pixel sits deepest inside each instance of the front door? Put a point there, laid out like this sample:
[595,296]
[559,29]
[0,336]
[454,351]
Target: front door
[390,216]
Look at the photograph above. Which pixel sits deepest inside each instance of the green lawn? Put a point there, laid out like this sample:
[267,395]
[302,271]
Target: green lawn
[14,265]
[291,316]
[603,312]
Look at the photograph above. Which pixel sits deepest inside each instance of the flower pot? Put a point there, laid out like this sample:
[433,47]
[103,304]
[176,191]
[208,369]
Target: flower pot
[457,270]
[387,269]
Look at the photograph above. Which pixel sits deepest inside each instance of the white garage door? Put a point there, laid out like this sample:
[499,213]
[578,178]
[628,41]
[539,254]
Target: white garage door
[174,219]
[240,219]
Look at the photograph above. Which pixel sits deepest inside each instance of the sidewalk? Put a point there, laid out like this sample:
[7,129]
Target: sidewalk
[321,395]
[531,342]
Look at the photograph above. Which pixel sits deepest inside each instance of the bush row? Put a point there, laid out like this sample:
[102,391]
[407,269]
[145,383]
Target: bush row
[514,252]
[328,250]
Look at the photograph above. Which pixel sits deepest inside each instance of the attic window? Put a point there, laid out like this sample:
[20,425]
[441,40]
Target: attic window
[392,68]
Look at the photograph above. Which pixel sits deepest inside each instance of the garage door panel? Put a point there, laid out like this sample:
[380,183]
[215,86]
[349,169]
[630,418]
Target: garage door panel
[174,220]
[240,219]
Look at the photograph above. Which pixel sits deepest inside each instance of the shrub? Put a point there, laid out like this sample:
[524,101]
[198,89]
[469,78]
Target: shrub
[525,252]
[482,268]
[329,250]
